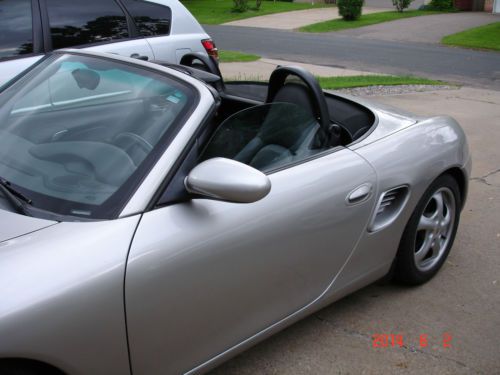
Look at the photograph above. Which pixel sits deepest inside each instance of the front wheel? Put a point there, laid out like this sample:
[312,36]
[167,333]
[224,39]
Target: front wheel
[430,232]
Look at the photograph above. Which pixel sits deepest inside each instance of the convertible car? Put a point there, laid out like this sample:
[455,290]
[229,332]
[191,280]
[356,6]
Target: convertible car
[158,220]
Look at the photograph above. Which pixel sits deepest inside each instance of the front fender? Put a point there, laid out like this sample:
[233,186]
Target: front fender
[61,293]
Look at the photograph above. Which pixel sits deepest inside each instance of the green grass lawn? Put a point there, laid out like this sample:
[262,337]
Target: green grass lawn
[234,56]
[334,83]
[487,36]
[219,11]
[365,20]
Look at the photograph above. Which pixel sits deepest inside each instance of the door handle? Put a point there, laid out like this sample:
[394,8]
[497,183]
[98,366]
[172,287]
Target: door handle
[137,56]
[359,194]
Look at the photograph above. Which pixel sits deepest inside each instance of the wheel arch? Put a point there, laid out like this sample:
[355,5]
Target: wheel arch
[459,176]
[28,366]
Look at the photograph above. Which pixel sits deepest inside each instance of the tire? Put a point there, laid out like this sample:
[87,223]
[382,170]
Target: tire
[430,232]
[26,367]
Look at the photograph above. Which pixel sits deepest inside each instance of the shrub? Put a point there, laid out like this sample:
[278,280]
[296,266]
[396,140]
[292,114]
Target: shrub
[401,4]
[240,5]
[350,9]
[440,5]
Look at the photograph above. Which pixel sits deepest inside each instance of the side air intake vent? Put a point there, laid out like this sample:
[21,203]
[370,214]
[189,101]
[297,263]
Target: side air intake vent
[389,206]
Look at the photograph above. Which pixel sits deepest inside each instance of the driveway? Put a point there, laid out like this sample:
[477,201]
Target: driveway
[424,29]
[294,20]
[463,300]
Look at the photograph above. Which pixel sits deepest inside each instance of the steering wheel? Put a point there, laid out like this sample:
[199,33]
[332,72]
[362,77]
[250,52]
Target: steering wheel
[128,141]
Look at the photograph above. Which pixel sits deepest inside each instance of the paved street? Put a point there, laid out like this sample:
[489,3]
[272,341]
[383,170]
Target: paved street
[478,68]
[427,29]
[415,4]
[463,300]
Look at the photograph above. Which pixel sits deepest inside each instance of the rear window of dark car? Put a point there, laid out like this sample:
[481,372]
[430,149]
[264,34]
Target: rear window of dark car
[16,35]
[150,19]
[74,23]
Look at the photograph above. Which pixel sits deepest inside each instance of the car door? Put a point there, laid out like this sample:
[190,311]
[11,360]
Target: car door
[204,275]
[153,22]
[168,27]
[96,25]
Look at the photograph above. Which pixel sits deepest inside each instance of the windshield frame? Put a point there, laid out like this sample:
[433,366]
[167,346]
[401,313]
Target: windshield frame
[43,206]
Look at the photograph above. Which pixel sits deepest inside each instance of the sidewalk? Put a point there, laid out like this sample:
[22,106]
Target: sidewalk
[260,70]
[294,20]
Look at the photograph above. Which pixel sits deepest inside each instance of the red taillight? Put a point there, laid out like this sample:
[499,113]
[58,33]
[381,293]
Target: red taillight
[210,47]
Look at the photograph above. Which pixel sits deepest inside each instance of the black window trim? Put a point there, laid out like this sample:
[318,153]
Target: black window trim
[162,196]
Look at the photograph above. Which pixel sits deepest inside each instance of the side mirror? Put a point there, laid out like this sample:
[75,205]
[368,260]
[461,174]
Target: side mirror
[228,180]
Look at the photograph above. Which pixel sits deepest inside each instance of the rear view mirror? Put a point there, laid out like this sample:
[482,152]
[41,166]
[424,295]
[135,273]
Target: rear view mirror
[228,180]
[86,78]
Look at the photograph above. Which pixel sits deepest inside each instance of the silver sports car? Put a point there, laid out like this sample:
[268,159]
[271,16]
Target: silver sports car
[157,220]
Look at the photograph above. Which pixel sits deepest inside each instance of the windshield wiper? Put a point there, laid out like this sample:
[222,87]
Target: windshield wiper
[16,198]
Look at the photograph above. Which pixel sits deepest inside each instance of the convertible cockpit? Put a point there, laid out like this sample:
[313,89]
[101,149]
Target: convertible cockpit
[76,135]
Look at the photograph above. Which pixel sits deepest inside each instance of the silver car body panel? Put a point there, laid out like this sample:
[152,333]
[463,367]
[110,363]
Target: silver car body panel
[14,225]
[207,279]
[11,68]
[440,144]
[62,296]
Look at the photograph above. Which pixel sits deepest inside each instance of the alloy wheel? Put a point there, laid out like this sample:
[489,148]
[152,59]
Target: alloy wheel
[434,229]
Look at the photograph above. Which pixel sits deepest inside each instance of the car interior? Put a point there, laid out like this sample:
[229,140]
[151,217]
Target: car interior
[296,85]
[277,139]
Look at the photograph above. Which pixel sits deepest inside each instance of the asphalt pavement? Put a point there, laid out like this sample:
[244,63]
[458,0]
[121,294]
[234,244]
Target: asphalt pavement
[472,67]
[425,29]
[387,4]
[451,325]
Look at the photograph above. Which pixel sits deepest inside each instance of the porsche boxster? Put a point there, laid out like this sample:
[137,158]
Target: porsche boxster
[155,219]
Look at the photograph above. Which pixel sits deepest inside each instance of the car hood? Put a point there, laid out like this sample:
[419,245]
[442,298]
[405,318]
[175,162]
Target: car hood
[13,225]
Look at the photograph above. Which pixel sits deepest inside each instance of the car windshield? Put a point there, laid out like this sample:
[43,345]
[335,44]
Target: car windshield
[78,133]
